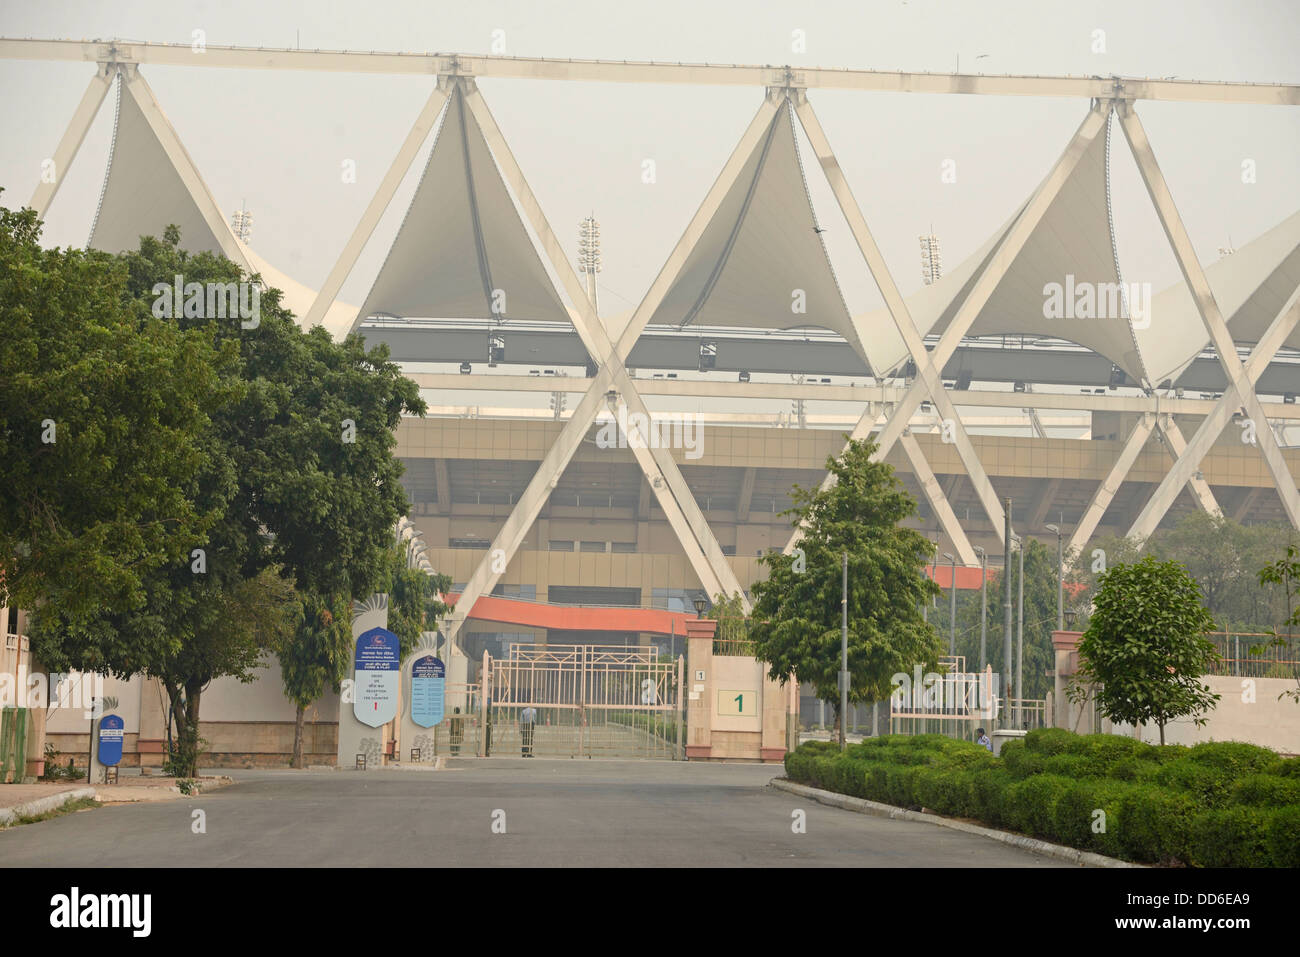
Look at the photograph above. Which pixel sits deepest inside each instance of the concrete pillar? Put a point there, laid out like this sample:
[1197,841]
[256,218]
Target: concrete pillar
[1065,645]
[699,684]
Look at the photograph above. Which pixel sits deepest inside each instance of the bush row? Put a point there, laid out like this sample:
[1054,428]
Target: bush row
[1213,805]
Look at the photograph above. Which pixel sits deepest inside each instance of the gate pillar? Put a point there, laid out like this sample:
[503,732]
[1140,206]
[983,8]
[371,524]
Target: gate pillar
[699,687]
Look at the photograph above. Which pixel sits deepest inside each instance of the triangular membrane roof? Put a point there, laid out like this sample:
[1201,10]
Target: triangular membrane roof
[1073,239]
[143,193]
[761,255]
[1250,286]
[462,240]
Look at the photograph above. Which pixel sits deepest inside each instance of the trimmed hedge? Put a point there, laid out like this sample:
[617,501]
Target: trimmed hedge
[1214,805]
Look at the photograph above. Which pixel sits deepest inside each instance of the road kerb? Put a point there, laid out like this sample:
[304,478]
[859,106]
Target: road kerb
[875,808]
[44,804]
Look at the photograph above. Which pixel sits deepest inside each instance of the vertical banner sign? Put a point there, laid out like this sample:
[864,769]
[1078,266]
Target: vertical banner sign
[428,690]
[378,674]
[111,731]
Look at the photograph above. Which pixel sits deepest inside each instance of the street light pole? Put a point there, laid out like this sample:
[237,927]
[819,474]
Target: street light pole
[1020,637]
[1060,578]
[1006,607]
[984,606]
[844,649]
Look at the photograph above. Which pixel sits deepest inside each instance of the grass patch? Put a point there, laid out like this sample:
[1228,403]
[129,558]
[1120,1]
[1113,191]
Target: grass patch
[71,807]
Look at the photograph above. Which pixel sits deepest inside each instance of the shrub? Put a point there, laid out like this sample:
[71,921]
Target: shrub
[1031,804]
[1077,766]
[1231,837]
[1155,823]
[1207,783]
[1134,769]
[1266,790]
[1077,824]
[1109,749]
[1020,762]
[1235,757]
[1051,741]
[1287,768]
[1284,837]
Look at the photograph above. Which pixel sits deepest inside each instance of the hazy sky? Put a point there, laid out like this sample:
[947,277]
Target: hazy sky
[275,139]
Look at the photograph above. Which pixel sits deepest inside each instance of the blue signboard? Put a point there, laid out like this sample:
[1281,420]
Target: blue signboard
[378,673]
[112,729]
[428,691]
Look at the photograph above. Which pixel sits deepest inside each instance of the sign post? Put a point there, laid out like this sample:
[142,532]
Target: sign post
[377,677]
[428,691]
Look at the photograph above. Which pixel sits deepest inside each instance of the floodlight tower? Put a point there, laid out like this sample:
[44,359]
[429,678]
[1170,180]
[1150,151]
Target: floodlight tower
[589,254]
[931,259]
[241,222]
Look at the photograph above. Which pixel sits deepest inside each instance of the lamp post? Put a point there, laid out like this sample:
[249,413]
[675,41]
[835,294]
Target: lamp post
[1006,607]
[700,603]
[1060,578]
[844,649]
[984,606]
[1020,631]
[952,604]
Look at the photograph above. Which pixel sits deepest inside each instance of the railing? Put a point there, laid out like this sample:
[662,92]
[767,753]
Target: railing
[1255,655]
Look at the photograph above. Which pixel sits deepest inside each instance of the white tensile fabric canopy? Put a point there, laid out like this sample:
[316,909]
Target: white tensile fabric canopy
[462,251]
[761,263]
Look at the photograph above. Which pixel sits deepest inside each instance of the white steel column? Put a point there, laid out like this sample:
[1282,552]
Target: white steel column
[927,372]
[1105,492]
[938,501]
[1240,392]
[329,291]
[140,91]
[73,136]
[1177,445]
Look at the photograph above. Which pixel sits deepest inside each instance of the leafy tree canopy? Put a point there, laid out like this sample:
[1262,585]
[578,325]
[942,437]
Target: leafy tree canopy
[796,618]
[1145,649]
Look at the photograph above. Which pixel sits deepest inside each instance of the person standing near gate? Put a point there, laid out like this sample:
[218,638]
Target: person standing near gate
[527,722]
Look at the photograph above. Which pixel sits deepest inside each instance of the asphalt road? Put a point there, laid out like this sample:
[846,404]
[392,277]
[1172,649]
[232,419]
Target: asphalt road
[554,813]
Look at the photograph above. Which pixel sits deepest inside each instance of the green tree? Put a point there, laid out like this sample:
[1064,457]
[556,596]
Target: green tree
[1284,573]
[733,626]
[316,655]
[1145,649]
[299,469]
[103,412]
[795,625]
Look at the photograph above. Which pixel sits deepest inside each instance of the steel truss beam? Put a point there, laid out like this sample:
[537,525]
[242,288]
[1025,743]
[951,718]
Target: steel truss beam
[718,388]
[623,71]
[1240,393]
[611,380]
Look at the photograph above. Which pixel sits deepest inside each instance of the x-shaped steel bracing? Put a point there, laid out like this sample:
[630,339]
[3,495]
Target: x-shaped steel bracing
[928,364]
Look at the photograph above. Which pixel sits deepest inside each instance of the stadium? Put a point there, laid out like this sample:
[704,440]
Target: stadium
[1034,374]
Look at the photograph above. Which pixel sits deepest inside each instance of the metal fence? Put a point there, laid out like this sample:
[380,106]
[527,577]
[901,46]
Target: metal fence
[1256,655]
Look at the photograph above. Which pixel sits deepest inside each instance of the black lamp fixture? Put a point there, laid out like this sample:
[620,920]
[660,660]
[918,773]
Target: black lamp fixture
[1069,619]
[700,604]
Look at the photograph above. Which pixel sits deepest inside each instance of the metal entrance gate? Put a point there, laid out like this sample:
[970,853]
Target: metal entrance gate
[591,701]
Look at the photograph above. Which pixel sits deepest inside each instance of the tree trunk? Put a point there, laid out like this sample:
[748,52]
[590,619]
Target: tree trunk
[189,743]
[296,761]
[1161,725]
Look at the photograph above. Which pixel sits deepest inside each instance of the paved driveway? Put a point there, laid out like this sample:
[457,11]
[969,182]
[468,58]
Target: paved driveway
[553,812]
